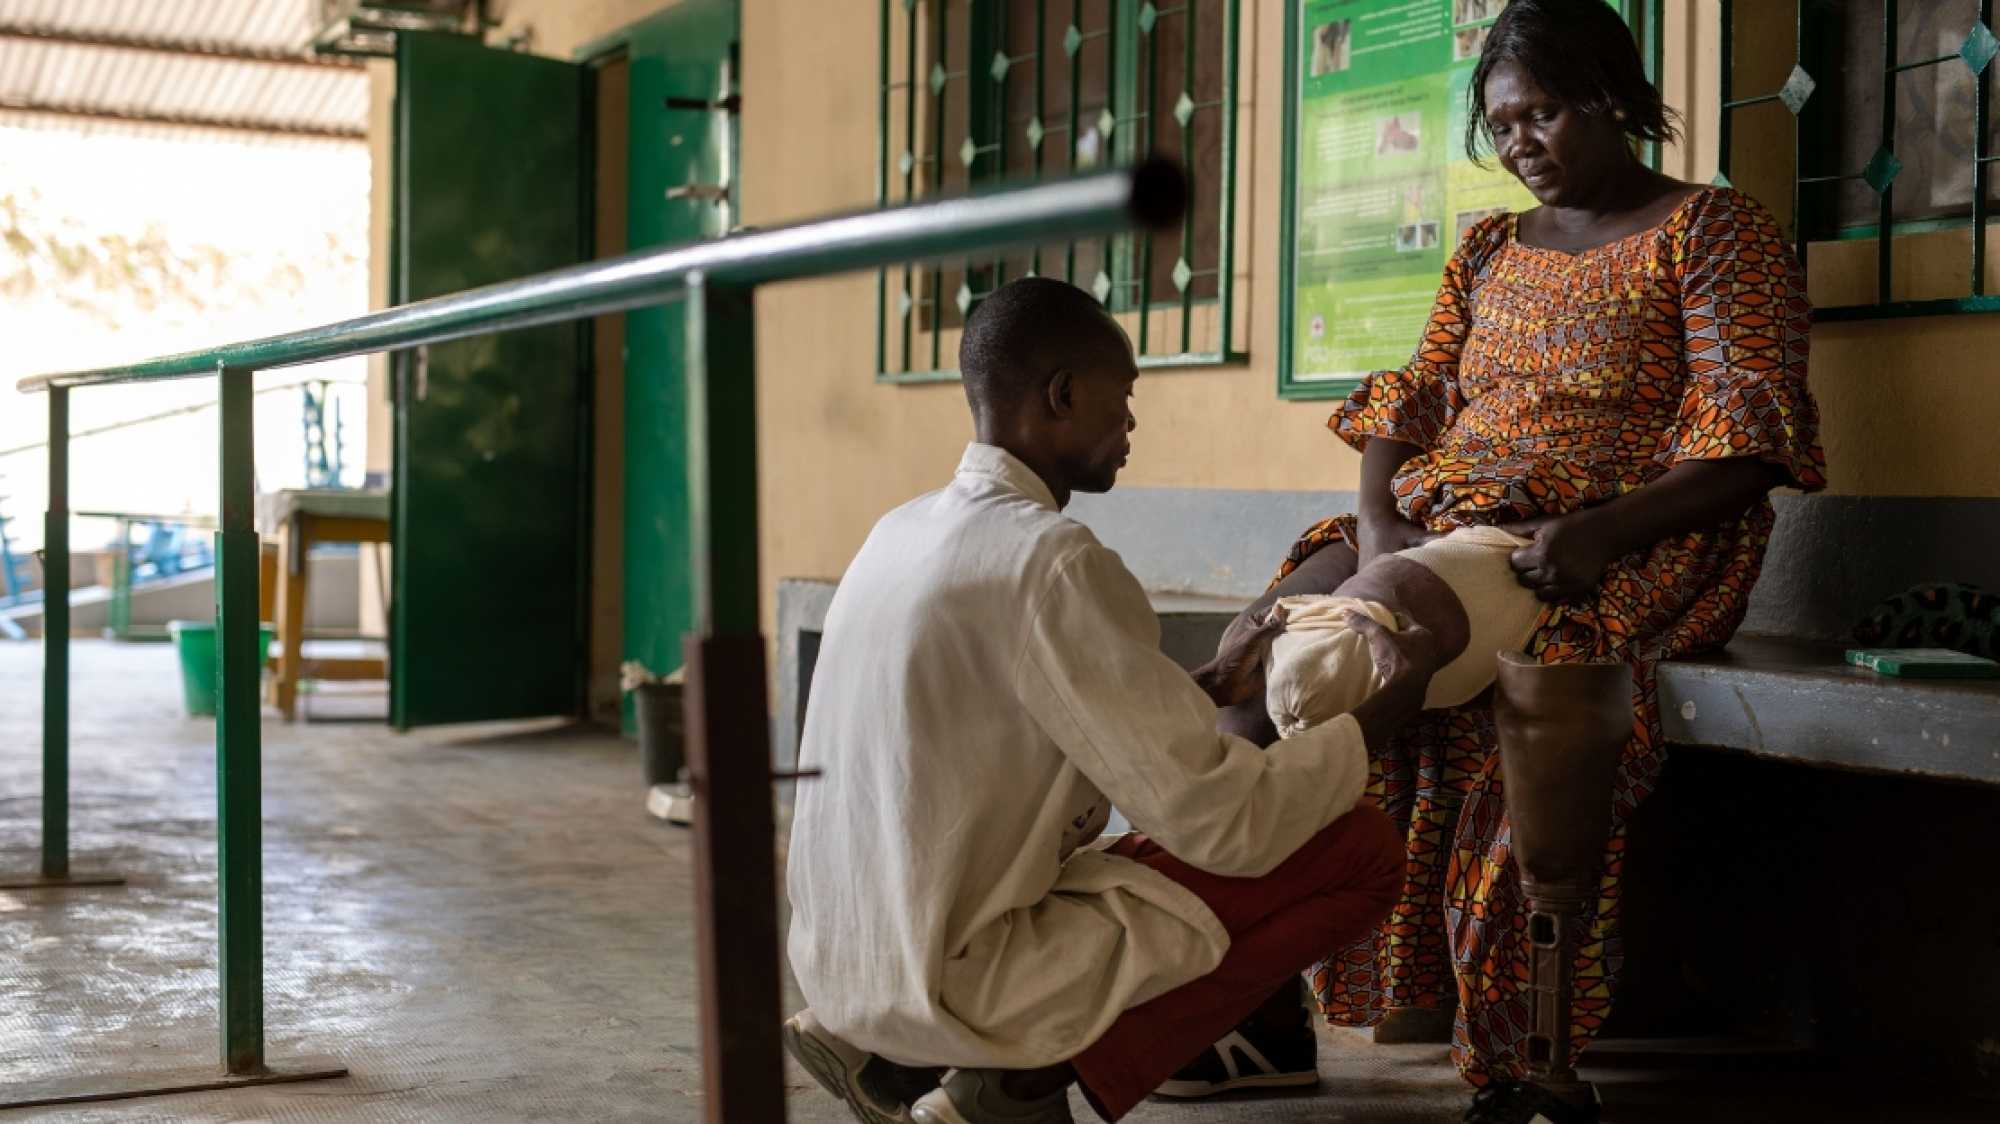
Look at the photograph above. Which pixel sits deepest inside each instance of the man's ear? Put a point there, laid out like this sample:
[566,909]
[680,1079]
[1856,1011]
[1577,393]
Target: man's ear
[1061,392]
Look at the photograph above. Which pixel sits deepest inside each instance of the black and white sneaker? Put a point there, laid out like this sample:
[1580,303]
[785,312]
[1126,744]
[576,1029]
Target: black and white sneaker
[1524,1102]
[1253,1056]
[981,1096]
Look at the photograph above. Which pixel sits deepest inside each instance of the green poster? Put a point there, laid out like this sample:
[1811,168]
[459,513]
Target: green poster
[1380,188]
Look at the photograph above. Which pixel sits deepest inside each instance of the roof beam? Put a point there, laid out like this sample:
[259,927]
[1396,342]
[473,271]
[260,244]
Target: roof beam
[61,37]
[186,121]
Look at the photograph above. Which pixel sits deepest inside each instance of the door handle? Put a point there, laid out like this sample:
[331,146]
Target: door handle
[709,192]
[730,104]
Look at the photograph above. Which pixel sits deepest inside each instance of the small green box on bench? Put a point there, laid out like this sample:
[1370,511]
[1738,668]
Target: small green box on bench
[1923,663]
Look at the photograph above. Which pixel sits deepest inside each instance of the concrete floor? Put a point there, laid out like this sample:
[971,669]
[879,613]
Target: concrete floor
[483,924]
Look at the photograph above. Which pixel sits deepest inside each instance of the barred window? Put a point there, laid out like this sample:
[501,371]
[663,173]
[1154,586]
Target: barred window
[983,91]
[1873,137]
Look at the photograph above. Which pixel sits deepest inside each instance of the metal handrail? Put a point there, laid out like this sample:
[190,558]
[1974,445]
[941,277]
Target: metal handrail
[1044,212]
[728,730]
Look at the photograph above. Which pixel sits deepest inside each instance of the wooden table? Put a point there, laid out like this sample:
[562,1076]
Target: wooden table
[299,519]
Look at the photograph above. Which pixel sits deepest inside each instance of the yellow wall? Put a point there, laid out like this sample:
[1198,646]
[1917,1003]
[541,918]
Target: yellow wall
[1213,428]
[559,27]
[1905,403]
[375,559]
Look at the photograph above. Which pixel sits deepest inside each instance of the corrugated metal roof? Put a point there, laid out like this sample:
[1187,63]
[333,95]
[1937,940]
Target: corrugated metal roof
[176,67]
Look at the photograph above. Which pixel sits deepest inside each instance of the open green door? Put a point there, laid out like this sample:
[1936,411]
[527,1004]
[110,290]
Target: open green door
[682,188]
[489,501]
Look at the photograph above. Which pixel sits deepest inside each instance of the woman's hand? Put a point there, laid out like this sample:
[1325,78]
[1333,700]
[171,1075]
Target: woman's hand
[1567,558]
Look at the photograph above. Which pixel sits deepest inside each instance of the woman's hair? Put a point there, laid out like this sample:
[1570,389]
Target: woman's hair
[1581,52]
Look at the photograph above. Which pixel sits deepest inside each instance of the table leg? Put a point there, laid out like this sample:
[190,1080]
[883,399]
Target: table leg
[292,545]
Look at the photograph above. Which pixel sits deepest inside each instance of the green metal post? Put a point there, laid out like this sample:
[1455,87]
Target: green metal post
[1225,258]
[1801,229]
[728,732]
[911,85]
[1885,230]
[999,165]
[1041,72]
[55,647]
[121,583]
[937,159]
[1147,98]
[882,193]
[1121,56]
[1070,129]
[55,873]
[1982,84]
[238,769]
[1188,87]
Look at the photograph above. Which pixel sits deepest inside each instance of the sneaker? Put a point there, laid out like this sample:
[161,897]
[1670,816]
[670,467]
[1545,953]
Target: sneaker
[975,1096]
[1255,1055]
[875,1090]
[1524,1102]
[673,803]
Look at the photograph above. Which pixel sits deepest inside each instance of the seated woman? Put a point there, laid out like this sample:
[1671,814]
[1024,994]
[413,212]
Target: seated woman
[1618,376]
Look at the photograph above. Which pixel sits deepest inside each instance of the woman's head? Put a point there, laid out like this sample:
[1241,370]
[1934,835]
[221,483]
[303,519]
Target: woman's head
[1561,95]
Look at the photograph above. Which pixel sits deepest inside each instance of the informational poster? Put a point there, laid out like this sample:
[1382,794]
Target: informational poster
[1381,187]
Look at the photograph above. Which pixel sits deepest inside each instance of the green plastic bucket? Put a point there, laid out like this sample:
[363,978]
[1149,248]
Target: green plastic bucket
[201,664]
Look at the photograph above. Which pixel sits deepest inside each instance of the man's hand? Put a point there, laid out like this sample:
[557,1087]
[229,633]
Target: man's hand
[1405,660]
[1567,558]
[1404,664]
[1236,674]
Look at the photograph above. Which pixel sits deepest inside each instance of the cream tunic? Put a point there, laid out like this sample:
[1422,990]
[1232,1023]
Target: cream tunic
[990,683]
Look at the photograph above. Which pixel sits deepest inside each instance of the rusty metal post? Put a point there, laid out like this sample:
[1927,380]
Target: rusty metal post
[728,723]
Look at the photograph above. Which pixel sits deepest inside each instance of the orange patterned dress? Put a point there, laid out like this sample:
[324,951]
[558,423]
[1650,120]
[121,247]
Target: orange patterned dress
[1546,382]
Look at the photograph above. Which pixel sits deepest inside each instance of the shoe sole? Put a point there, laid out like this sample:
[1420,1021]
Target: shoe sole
[933,1114]
[830,1072]
[1196,1090]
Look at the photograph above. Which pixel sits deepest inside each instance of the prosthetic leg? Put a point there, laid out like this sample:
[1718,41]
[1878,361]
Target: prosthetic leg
[1562,728]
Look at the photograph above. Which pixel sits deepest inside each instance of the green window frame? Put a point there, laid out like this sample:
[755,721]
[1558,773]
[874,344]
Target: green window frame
[1811,117]
[949,72]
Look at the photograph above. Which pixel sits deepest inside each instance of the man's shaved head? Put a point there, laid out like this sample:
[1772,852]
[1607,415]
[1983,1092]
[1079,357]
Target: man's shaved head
[1024,333]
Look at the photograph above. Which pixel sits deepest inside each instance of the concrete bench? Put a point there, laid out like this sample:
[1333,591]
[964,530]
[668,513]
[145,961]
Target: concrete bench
[1785,699]
[1798,701]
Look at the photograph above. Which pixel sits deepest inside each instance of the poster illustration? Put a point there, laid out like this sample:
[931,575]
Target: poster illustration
[1382,188]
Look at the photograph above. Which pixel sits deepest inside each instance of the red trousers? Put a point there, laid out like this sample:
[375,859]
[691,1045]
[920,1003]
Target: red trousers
[1335,888]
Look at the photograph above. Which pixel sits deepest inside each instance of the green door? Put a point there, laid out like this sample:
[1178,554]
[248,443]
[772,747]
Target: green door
[682,144]
[488,501]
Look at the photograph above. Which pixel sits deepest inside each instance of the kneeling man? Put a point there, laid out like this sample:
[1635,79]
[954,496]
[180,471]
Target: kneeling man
[990,684]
